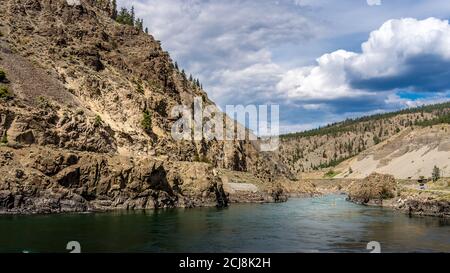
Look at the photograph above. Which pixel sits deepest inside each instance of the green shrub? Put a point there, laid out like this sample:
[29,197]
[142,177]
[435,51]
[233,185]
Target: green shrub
[376,140]
[146,122]
[139,88]
[125,17]
[43,102]
[2,75]
[98,121]
[331,174]
[5,94]
[4,139]
[202,159]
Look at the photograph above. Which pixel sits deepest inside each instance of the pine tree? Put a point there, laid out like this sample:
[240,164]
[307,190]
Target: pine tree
[124,17]
[132,15]
[176,66]
[114,9]
[436,173]
[146,30]
[139,24]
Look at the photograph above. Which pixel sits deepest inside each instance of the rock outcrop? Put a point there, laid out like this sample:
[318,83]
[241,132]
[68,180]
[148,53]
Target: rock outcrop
[426,207]
[373,189]
[422,203]
[40,180]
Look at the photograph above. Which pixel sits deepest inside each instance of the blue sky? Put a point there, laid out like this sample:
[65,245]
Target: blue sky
[321,60]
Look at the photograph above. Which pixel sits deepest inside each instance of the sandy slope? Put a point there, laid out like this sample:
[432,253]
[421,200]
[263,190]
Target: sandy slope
[410,154]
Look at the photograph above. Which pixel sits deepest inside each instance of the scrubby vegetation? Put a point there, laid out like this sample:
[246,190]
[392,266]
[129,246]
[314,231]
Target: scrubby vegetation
[376,140]
[332,163]
[4,139]
[436,175]
[202,159]
[5,94]
[139,88]
[331,174]
[146,122]
[43,102]
[2,76]
[98,121]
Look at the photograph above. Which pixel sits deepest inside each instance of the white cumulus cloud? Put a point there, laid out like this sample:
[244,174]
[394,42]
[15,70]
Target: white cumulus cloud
[402,54]
[373,2]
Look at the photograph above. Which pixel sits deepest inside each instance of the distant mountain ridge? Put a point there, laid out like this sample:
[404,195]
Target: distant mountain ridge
[441,111]
[327,147]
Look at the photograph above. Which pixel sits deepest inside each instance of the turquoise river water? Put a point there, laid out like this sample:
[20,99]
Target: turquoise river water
[324,224]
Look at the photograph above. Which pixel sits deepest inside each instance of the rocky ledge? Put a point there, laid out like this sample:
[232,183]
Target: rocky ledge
[40,180]
[422,204]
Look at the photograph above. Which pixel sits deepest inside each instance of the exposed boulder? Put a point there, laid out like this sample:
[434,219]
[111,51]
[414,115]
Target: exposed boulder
[373,189]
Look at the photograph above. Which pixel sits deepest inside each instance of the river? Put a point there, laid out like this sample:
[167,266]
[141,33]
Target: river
[324,224]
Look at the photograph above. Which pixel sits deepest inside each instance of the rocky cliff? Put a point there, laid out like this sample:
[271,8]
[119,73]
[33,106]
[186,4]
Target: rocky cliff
[85,117]
[40,180]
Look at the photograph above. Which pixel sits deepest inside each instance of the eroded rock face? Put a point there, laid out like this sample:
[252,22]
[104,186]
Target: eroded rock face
[72,135]
[56,128]
[39,180]
[82,82]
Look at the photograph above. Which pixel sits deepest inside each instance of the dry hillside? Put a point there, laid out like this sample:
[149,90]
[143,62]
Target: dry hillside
[327,147]
[410,154]
[95,95]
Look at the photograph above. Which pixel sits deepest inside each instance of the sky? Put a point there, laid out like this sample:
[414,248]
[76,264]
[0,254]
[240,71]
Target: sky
[321,61]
